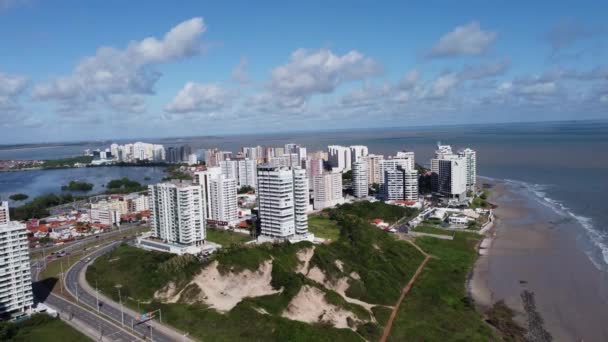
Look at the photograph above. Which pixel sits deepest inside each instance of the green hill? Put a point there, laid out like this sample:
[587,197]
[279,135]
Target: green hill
[342,291]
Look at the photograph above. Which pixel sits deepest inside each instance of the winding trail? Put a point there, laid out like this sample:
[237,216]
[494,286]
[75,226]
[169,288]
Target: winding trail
[389,324]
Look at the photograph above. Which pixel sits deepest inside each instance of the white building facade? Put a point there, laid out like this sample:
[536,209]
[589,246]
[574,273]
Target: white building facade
[282,202]
[339,157]
[247,172]
[470,157]
[327,189]
[360,178]
[177,213]
[15,275]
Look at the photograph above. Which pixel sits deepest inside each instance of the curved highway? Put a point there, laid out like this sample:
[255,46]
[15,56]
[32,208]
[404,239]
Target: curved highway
[76,285]
[102,328]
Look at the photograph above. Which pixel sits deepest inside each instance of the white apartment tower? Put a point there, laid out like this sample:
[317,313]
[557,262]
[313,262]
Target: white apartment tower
[223,200]
[392,164]
[15,275]
[401,184]
[374,174]
[282,202]
[247,169]
[230,168]
[220,195]
[177,213]
[470,157]
[451,178]
[357,152]
[360,179]
[339,157]
[327,189]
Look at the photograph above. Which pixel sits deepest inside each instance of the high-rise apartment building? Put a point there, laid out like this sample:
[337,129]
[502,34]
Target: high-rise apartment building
[401,184]
[230,168]
[392,164]
[327,190]
[470,157]
[410,156]
[360,179]
[451,177]
[177,213]
[282,202]
[15,275]
[339,157]
[285,160]
[374,173]
[247,169]
[223,200]
[357,152]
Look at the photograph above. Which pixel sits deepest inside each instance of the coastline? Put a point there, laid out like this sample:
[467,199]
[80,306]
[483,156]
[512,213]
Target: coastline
[534,249]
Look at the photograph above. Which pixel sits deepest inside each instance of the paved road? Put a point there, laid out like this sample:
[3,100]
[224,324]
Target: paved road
[72,244]
[107,330]
[150,329]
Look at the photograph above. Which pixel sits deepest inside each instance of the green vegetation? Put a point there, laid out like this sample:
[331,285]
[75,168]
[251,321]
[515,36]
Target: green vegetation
[153,271]
[245,189]
[38,207]
[501,317]
[40,328]
[481,201]
[377,265]
[323,227]
[437,307]
[77,186]
[178,175]
[347,176]
[124,186]
[226,238]
[369,211]
[18,197]
[433,230]
[66,162]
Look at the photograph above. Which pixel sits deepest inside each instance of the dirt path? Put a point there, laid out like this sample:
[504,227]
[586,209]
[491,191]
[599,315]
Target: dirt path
[389,324]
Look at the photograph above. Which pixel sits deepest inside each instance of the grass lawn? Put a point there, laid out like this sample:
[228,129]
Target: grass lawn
[433,230]
[323,227]
[226,238]
[437,307]
[40,328]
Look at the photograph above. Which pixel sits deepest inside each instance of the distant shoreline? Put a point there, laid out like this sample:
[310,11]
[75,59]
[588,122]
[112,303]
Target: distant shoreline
[83,167]
[531,250]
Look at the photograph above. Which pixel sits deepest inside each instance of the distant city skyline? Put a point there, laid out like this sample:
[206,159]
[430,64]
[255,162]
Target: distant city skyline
[97,70]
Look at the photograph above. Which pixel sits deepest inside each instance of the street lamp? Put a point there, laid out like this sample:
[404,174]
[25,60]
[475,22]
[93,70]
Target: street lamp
[122,313]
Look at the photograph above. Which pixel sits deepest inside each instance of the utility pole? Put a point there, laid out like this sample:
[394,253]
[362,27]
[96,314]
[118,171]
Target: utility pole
[122,313]
[97,295]
[61,279]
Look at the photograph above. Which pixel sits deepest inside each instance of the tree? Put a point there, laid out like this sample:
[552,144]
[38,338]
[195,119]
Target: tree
[347,176]
[245,189]
[18,197]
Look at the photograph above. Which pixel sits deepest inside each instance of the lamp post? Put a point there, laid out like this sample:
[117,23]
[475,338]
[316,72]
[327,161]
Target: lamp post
[122,313]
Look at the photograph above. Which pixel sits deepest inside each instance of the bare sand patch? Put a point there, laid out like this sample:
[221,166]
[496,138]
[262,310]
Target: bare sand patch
[224,291]
[310,306]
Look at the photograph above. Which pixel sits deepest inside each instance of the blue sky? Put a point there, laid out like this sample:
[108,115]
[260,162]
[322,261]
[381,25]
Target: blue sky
[81,70]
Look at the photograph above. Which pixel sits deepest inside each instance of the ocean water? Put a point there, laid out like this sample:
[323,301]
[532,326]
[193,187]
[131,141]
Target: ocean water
[563,164]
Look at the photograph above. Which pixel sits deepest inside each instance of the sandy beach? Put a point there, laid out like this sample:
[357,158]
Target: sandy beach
[535,249]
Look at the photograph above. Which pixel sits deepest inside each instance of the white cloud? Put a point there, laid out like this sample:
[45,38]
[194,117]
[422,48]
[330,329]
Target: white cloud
[239,73]
[469,39]
[196,97]
[112,72]
[484,70]
[313,72]
[11,87]
[443,85]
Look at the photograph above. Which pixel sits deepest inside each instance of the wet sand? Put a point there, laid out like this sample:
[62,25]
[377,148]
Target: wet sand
[535,249]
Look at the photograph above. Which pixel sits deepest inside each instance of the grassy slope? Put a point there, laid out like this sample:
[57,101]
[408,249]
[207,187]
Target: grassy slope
[432,230]
[323,227]
[43,328]
[437,308]
[226,238]
[383,263]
